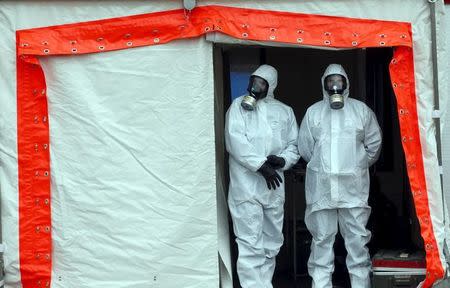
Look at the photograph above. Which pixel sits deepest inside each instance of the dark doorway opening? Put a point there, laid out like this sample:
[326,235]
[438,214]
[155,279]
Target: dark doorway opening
[393,222]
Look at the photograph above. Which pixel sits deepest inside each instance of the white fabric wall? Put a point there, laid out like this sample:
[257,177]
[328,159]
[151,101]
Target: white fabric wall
[132,156]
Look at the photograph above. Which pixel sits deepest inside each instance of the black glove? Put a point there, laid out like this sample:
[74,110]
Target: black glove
[276,162]
[273,180]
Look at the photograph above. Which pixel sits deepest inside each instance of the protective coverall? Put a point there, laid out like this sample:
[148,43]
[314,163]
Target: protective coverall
[339,146]
[257,211]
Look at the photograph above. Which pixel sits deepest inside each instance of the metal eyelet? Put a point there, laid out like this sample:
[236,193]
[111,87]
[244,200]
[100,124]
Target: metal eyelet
[299,40]
[74,50]
[129,43]
[46,51]
[382,43]
[272,37]
[245,35]
[73,42]
[354,43]
[156,40]
[101,47]
[327,42]
[327,33]
[207,29]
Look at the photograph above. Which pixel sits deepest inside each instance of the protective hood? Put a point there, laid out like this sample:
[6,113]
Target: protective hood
[335,69]
[270,74]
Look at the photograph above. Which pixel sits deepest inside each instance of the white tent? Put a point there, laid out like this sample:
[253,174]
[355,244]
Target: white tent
[110,171]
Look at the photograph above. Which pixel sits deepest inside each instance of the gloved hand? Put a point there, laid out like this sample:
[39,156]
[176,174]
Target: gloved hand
[273,179]
[276,162]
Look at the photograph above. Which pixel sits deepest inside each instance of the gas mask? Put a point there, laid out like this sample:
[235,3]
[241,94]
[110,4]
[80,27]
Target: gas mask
[335,86]
[257,89]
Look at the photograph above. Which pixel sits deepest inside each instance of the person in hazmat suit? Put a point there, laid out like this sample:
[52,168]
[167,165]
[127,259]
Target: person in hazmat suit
[340,139]
[261,139]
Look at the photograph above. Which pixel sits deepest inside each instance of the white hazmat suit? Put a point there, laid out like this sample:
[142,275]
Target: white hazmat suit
[257,211]
[339,146]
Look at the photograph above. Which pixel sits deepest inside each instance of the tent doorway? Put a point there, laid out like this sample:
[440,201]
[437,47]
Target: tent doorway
[299,72]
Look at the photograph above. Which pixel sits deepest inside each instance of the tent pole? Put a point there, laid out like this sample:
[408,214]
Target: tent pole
[2,249]
[436,114]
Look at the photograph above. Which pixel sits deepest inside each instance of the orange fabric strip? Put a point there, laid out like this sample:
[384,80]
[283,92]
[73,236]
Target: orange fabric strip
[35,243]
[402,77]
